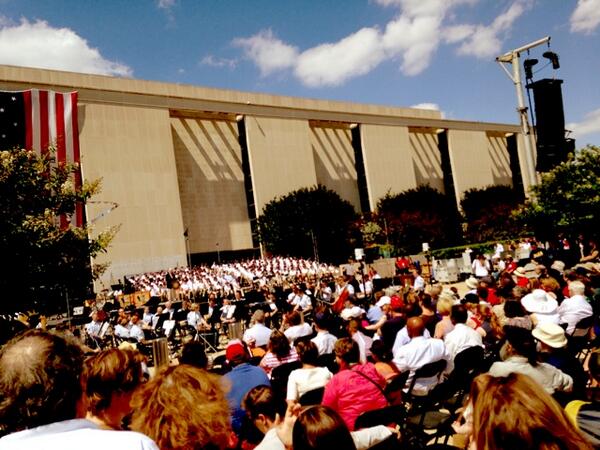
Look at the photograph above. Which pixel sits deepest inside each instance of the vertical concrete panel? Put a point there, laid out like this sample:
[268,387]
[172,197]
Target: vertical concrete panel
[500,159]
[280,155]
[211,184]
[426,159]
[131,149]
[335,162]
[470,160]
[388,166]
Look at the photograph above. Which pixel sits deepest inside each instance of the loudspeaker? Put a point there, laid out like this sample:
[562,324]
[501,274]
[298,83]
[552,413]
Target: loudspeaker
[550,123]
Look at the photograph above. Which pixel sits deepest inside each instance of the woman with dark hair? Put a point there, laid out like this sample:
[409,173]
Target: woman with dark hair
[522,358]
[310,376]
[279,352]
[383,360]
[512,412]
[321,428]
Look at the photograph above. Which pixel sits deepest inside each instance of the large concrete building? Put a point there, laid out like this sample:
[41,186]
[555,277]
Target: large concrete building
[177,157]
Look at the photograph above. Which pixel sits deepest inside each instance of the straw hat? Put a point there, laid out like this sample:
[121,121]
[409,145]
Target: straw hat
[550,334]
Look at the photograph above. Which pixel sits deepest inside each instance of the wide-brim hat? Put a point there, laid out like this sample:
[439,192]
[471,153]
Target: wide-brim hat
[539,301]
[472,283]
[550,334]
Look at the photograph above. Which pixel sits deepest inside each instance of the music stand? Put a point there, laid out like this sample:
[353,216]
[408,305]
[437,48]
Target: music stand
[201,338]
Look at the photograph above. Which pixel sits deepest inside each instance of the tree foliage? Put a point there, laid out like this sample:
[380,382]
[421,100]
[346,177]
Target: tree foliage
[308,221]
[567,200]
[43,260]
[420,215]
[488,213]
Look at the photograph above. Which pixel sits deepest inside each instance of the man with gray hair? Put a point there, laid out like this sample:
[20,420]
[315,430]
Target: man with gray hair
[574,308]
[258,334]
[41,391]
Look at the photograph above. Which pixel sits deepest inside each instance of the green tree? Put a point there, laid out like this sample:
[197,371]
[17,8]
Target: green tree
[420,215]
[306,223]
[43,260]
[567,199]
[488,213]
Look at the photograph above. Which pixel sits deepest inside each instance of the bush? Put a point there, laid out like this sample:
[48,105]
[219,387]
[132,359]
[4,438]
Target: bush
[306,223]
[420,215]
[488,213]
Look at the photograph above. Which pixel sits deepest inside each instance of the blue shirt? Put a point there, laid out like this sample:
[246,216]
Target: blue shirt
[243,378]
[374,314]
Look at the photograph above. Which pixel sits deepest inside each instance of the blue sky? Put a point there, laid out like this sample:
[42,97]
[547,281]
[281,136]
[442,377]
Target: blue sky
[437,53]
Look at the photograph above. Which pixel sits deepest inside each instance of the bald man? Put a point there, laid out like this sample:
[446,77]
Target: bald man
[420,351]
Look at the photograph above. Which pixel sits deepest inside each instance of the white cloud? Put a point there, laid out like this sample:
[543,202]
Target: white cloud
[213,61]
[589,125]
[38,44]
[485,41]
[267,52]
[412,37]
[165,4]
[586,16]
[431,106]
[332,64]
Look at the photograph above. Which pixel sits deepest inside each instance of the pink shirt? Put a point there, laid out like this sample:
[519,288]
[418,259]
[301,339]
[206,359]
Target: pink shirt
[270,361]
[351,394]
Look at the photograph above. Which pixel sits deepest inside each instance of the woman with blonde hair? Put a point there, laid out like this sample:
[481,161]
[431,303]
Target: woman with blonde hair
[183,407]
[514,412]
[445,325]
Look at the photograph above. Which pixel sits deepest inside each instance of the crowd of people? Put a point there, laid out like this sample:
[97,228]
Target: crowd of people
[314,359]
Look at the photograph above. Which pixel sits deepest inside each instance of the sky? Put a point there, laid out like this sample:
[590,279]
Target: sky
[437,54]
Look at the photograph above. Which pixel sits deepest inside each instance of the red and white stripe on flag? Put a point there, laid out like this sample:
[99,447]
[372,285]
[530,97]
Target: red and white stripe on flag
[51,119]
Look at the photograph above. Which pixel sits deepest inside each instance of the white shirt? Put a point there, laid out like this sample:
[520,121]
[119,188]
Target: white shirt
[547,376]
[303,380]
[352,313]
[304,303]
[461,338]
[93,328]
[194,318]
[364,345]
[480,269]
[121,331]
[418,352]
[137,333]
[147,318]
[227,311]
[293,333]
[257,333]
[419,283]
[572,310]
[74,435]
[325,341]
[403,339]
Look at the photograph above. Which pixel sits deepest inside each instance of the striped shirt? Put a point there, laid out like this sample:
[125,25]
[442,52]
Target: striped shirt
[270,360]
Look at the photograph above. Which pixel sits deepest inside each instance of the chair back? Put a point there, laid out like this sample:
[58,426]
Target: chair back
[393,390]
[280,375]
[433,369]
[583,327]
[312,397]
[388,416]
[328,360]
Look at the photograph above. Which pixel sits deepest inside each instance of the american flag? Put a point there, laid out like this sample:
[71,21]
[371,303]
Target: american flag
[36,119]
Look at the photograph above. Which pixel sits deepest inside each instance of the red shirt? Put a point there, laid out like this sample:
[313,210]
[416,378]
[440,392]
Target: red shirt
[351,394]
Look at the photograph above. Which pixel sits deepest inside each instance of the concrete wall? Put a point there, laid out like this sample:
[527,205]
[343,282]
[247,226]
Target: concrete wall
[130,148]
[426,159]
[281,158]
[470,160]
[211,184]
[387,157]
[500,159]
[335,163]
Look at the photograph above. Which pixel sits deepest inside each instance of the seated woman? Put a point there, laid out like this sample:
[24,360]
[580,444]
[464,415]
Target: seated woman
[279,352]
[108,381]
[512,412]
[310,376]
[183,408]
[383,360]
[445,325]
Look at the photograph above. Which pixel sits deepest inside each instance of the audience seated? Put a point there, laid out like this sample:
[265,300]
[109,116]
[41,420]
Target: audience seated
[462,336]
[40,383]
[324,340]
